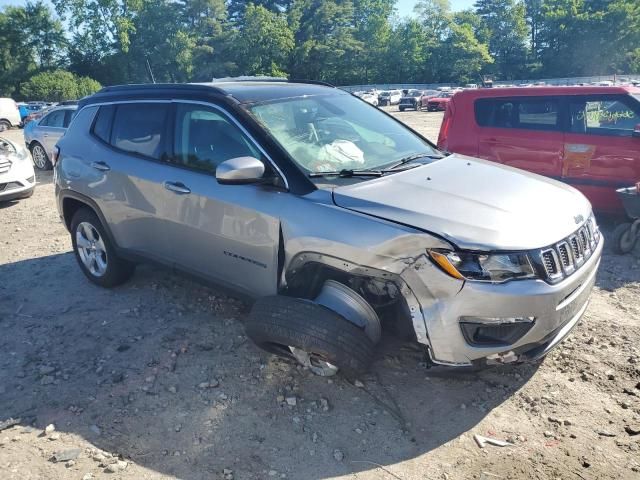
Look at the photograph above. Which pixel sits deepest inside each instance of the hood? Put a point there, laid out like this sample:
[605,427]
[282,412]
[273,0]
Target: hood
[475,204]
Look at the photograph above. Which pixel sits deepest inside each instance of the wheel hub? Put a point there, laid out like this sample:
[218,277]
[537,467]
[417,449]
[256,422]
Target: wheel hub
[314,362]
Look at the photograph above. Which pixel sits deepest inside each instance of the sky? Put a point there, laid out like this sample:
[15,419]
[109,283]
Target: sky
[405,7]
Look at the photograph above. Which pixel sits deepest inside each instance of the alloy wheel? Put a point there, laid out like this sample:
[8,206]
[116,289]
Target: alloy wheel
[91,249]
[39,157]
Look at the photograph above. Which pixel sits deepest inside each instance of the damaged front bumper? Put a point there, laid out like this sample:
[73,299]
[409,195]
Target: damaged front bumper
[528,317]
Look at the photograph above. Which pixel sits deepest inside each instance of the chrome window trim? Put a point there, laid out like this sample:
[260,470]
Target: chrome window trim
[207,104]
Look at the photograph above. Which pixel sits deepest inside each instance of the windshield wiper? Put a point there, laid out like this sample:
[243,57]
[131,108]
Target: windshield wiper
[347,173]
[415,156]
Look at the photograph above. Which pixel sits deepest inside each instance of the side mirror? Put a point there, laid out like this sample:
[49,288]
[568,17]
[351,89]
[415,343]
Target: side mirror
[240,171]
[636,131]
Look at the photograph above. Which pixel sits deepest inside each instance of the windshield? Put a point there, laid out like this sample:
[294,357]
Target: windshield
[414,93]
[335,132]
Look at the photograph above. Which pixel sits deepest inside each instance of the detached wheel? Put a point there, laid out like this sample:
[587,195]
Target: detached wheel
[623,240]
[95,253]
[315,336]
[40,157]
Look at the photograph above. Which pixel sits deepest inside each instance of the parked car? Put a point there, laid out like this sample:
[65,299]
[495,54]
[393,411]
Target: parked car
[411,99]
[17,178]
[27,109]
[42,135]
[370,97]
[439,102]
[333,214]
[390,97]
[588,137]
[9,114]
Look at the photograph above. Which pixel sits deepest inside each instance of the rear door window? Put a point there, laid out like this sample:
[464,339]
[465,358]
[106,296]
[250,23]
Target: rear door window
[603,115]
[204,138]
[54,119]
[526,113]
[141,128]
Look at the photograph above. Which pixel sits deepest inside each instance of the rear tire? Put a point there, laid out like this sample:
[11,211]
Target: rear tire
[95,253]
[623,242]
[40,157]
[277,323]
[4,125]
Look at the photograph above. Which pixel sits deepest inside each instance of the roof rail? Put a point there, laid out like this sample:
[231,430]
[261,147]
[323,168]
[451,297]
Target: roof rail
[270,79]
[158,86]
[249,78]
[312,82]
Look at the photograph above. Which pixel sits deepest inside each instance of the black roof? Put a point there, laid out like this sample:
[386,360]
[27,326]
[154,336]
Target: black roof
[240,91]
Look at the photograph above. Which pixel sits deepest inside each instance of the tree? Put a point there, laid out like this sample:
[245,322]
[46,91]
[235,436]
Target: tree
[30,39]
[372,29]
[462,56]
[264,42]
[57,86]
[507,31]
[325,46]
[408,52]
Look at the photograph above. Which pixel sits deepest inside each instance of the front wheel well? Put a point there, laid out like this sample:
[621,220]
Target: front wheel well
[383,294]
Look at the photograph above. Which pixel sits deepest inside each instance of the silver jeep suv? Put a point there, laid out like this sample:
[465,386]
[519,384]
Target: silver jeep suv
[338,219]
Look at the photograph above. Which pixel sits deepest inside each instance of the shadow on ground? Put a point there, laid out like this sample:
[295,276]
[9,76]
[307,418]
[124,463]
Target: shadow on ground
[126,369]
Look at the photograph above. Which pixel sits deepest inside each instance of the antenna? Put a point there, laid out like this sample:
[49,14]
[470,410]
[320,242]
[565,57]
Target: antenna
[153,79]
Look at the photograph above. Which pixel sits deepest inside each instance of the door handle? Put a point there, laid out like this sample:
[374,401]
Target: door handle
[103,167]
[177,187]
[45,135]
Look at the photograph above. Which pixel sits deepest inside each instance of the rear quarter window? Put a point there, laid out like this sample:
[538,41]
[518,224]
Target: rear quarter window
[102,123]
[525,113]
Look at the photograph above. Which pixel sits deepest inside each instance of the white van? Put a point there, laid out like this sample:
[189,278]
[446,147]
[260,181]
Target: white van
[9,114]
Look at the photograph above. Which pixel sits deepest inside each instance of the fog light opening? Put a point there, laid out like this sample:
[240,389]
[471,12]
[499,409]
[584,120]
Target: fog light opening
[495,331]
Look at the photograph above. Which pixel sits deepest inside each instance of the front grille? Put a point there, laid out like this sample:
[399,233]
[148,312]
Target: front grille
[5,165]
[564,258]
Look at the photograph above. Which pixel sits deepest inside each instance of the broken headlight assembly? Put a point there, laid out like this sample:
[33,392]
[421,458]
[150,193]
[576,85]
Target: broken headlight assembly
[8,149]
[484,267]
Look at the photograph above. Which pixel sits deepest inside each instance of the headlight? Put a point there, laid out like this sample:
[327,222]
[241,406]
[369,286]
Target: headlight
[487,267]
[9,149]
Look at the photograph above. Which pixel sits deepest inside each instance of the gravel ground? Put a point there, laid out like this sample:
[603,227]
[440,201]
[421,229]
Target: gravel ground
[155,379]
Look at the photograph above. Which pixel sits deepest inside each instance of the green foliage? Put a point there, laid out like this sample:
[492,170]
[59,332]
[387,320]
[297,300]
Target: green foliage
[58,86]
[263,43]
[30,40]
[340,41]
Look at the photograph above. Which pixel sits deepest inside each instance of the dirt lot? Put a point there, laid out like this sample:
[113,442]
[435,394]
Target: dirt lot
[156,379]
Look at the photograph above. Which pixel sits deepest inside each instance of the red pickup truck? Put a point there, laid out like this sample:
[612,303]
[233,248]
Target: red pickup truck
[588,137]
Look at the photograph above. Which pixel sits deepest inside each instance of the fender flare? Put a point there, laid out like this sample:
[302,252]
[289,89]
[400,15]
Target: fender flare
[70,194]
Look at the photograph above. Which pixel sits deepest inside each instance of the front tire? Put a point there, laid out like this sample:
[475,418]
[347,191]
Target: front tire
[40,157]
[623,240]
[315,336]
[4,125]
[95,253]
